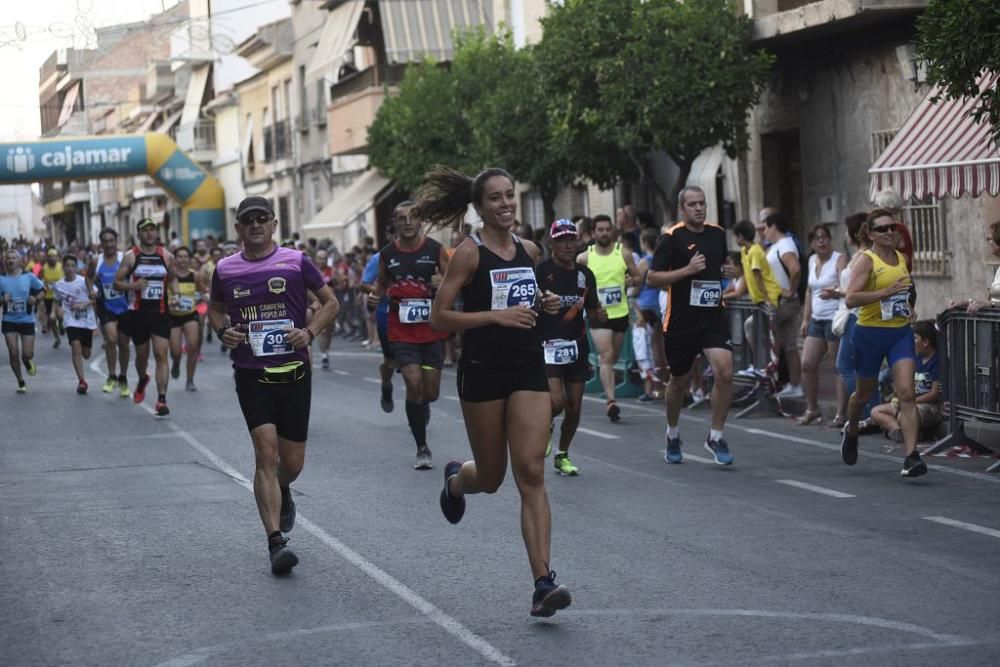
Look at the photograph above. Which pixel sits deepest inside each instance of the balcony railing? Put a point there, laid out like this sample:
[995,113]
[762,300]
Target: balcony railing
[197,137]
[278,141]
[785,18]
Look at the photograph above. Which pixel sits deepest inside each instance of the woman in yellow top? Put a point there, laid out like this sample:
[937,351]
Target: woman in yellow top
[184,317]
[880,288]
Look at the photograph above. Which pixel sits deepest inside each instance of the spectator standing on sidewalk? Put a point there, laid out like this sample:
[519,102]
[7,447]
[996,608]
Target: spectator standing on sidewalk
[973,306]
[822,301]
[783,256]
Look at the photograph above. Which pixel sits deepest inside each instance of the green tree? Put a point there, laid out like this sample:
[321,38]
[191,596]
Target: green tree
[627,79]
[958,40]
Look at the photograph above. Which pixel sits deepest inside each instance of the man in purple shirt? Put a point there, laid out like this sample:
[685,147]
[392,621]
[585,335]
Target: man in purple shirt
[258,310]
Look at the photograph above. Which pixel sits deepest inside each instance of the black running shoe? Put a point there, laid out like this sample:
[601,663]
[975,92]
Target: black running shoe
[849,447]
[614,412]
[282,558]
[913,466]
[452,508]
[287,520]
[387,404]
[549,598]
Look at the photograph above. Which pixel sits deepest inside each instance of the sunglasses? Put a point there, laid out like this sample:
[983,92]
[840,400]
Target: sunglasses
[260,219]
[884,229]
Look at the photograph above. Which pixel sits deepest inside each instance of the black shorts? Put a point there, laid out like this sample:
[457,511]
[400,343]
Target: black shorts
[578,371]
[284,405]
[430,355]
[48,304]
[181,320]
[105,316]
[139,326]
[479,383]
[23,328]
[683,348]
[617,324]
[85,336]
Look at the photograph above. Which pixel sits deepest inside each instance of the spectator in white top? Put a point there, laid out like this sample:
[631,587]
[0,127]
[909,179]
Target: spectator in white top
[973,306]
[823,298]
[783,256]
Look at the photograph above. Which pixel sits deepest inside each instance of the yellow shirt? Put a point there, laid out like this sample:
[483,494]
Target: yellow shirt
[892,311]
[754,259]
[610,271]
[50,276]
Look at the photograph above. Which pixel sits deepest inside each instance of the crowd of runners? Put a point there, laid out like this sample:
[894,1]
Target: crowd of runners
[525,314]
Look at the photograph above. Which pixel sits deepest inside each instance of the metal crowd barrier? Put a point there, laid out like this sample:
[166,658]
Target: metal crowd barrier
[970,359]
[754,363]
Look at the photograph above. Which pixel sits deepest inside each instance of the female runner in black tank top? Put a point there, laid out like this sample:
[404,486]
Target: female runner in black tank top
[501,376]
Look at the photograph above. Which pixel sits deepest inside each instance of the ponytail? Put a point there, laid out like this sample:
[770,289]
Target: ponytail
[445,195]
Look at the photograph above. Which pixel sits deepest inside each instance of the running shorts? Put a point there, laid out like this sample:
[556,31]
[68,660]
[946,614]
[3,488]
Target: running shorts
[479,383]
[22,328]
[682,349]
[48,305]
[430,355]
[105,316]
[873,344]
[85,336]
[181,320]
[284,405]
[139,326]
[617,324]
[578,371]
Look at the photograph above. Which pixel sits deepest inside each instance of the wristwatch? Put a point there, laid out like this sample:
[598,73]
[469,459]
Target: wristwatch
[220,331]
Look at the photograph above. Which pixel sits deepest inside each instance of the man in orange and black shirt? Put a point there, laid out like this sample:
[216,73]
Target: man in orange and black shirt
[688,263]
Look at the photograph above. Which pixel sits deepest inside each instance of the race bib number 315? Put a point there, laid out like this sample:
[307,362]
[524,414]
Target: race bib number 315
[267,337]
[512,287]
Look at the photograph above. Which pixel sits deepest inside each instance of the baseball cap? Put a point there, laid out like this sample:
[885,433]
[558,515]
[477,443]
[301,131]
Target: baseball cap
[145,222]
[52,252]
[562,227]
[254,204]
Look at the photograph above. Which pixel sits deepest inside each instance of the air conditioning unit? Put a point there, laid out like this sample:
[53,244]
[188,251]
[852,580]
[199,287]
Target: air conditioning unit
[319,117]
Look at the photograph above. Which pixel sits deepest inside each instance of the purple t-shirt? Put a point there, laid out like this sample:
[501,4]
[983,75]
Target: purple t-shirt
[269,296]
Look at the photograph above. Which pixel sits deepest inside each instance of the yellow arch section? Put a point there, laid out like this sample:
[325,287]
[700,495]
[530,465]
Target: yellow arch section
[107,156]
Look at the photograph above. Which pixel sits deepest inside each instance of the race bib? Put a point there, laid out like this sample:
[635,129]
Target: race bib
[267,337]
[560,352]
[897,305]
[185,303]
[610,296]
[414,311]
[153,291]
[512,287]
[110,292]
[706,293]
[80,314]
[18,306]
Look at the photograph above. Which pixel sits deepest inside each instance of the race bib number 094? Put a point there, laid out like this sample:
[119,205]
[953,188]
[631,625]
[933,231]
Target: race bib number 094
[706,293]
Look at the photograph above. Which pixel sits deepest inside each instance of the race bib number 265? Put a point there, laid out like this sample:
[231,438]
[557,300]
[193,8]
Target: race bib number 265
[512,287]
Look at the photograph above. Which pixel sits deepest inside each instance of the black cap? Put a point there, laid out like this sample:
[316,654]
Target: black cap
[254,204]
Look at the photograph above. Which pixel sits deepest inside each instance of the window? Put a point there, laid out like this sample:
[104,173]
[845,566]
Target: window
[303,102]
[926,220]
[284,218]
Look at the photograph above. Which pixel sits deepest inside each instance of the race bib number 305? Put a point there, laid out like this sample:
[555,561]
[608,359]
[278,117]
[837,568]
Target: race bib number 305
[706,293]
[512,287]
[413,311]
[267,337]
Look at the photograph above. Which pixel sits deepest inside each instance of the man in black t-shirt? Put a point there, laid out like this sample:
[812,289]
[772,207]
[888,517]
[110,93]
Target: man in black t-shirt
[564,337]
[688,263]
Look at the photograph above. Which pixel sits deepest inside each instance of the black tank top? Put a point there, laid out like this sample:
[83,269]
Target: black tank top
[499,284]
[153,268]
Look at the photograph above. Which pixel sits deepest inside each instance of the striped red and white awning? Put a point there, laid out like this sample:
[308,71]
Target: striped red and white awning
[940,151]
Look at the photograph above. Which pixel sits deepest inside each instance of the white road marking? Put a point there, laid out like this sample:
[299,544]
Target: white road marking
[982,530]
[699,459]
[597,434]
[816,489]
[340,372]
[387,581]
[373,380]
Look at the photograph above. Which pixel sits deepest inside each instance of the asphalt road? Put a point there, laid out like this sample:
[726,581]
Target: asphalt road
[132,541]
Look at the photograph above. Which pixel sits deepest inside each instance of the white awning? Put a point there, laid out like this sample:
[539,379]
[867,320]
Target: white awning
[337,37]
[705,171]
[147,124]
[415,29]
[169,123]
[359,197]
[247,143]
[195,94]
[68,103]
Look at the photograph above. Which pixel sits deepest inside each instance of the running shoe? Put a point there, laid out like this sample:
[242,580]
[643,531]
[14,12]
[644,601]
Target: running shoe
[189,386]
[32,368]
[109,385]
[548,597]
[423,458]
[791,391]
[325,363]
[175,368]
[452,508]
[140,389]
[123,390]
[22,388]
[386,403]
[913,466]
[849,446]
[673,453]
[287,520]
[645,398]
[282,558]
[55,345]
[81,388]
[697,398]
[161,409]
[564,466]
[720,451]
[614,412]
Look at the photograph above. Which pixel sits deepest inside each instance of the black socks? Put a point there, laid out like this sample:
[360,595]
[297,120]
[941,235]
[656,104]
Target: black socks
[416,416]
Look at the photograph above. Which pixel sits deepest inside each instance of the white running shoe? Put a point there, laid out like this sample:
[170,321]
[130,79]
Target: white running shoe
[791,391]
